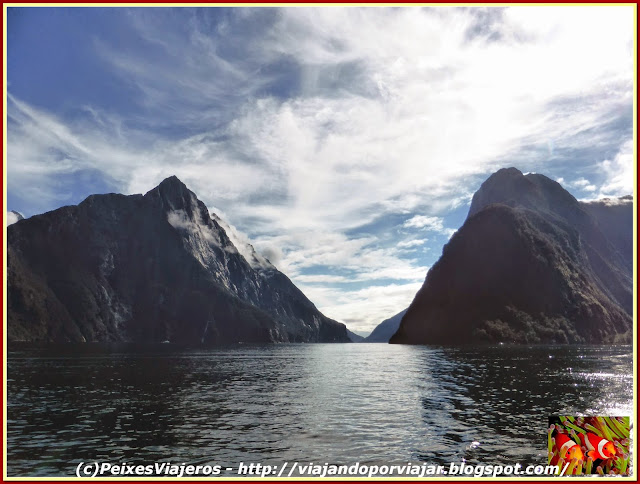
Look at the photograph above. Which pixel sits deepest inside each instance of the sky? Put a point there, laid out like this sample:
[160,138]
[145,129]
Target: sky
[345,143]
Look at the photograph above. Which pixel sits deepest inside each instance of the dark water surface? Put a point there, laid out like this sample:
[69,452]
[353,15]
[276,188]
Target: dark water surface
[321,403]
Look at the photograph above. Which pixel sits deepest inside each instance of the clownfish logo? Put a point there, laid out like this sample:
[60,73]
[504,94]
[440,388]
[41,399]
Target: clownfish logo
[597,447]
[567,448]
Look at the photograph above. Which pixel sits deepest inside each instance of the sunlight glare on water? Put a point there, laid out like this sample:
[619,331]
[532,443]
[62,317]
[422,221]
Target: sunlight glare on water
[339,404]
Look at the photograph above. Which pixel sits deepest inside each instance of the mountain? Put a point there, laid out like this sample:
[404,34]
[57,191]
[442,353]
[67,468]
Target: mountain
[530,264]
[355,338]
[613,217]
[385,330]
[149,268]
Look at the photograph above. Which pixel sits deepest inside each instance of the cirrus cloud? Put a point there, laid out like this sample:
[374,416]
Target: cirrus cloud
[334,138]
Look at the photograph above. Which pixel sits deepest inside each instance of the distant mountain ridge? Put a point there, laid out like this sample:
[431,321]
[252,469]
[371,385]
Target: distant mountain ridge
[354,337]
[531,264]
[149,268]
[386,329]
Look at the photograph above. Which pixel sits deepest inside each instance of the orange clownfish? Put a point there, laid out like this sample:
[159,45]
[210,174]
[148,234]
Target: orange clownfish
[597,447]
[567,448]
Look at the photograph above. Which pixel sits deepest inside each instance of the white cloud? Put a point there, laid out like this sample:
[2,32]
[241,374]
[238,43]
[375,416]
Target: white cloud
[423,221]
[322,278]
[397,112]
[434,224]
[242,244]
[336,252]
[610,202]
[180,220]
[12,218]
[363,309]
[409,244]
[581,184]
[619,173]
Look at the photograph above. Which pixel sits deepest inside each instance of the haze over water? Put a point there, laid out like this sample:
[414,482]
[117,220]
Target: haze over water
[322,403]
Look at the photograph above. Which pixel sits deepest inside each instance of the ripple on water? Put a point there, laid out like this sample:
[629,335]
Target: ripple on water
[340,404]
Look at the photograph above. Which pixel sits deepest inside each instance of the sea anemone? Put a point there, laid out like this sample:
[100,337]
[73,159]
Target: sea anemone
[613,429]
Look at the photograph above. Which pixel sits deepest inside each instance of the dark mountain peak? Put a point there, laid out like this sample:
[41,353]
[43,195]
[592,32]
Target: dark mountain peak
[174,195]
[509,186]
[172,185]
[172,181]
[149,268]
[530,264]
[511,172]
[504,176]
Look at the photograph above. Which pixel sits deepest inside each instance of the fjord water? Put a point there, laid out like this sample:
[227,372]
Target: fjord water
[321,403]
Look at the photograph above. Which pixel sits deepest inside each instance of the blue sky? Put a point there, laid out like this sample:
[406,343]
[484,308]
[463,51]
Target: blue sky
[345,143]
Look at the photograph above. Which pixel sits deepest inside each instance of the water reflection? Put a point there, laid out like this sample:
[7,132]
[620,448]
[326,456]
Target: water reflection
[341,404]
[499,397]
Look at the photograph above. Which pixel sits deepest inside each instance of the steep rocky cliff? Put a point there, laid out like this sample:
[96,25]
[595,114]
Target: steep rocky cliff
[531,264]
[149,268]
